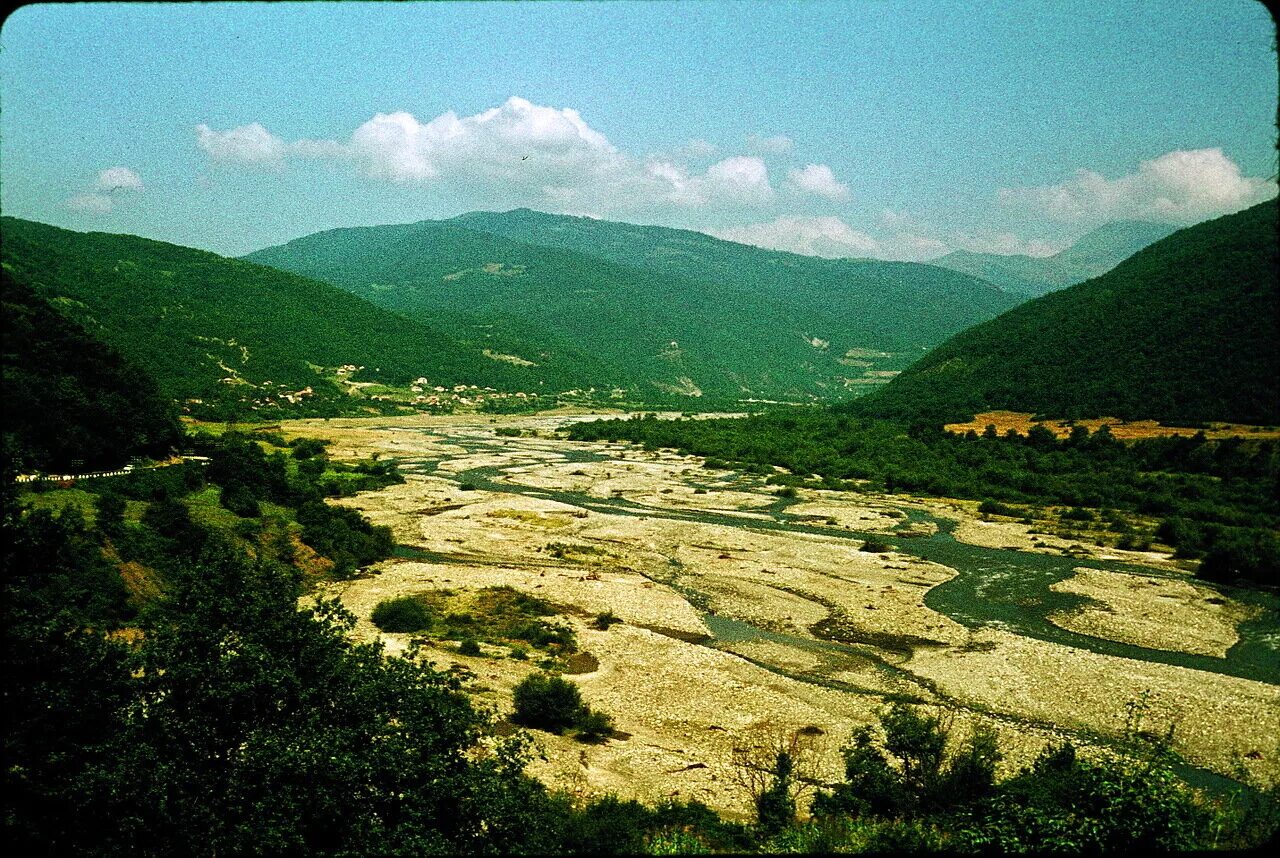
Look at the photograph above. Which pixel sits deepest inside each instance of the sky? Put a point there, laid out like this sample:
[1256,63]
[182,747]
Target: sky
[877,128]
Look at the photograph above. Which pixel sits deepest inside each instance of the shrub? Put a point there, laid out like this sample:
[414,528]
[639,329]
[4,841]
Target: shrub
[593,726]
[775,806]
[604,620]
[403,614]
[238,499]
[543,634]
[787,492]
[872,546]
[547,702]
[991,507]
[469,646]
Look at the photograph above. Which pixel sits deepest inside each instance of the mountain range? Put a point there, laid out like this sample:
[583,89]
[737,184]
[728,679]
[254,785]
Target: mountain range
[227,334]
[1092,255]
[672,313]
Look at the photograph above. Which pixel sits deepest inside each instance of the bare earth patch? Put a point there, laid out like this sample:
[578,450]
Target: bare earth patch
[1125,430]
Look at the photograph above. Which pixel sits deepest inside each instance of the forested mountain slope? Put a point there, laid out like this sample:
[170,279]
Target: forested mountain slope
[671,311]
[69,402]
[1186,329]
[229,331]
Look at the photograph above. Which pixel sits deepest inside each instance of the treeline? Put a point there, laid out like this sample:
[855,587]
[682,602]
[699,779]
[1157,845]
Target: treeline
[1217,500]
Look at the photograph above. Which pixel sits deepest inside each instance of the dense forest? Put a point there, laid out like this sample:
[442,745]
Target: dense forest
[69,402]
[704,318]
[1216,500]
[231,334]
[1186,329]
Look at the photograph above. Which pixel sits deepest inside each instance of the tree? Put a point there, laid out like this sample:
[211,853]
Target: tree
[547,702]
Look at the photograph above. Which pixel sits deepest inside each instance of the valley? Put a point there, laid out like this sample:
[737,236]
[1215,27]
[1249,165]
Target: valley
[749,612]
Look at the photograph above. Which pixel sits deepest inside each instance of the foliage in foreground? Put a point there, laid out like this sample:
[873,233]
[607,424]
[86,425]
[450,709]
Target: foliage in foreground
[220,717]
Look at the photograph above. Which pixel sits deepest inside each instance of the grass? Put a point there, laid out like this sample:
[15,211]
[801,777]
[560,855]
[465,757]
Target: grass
[56,500]
[501,616]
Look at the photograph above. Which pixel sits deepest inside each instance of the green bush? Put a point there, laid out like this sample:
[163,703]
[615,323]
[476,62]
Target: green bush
[547,702]
[238,499]
[991,507]
[469,646]
[872,546]
[593,726]
[604,620]
[403,614]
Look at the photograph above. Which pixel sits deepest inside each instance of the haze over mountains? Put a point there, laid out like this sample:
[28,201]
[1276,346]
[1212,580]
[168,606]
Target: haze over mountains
[1092,255]
[1187,329]
[671,312]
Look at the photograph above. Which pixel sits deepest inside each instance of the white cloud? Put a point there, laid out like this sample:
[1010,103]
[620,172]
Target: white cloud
[91,203]
[698,148]
[778,144]
[248,144]
[828,237]
[1180,187]
[909,247]
[118,179]
[894,219]
[819,180]
[740,177]
[518,153]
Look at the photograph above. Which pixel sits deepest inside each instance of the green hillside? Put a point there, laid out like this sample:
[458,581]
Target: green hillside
[1184,330]
[230,333]
[672,313]
[69,402]
[1093,255]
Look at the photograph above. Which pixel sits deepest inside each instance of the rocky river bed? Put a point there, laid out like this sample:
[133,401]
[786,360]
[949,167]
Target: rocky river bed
[747,615]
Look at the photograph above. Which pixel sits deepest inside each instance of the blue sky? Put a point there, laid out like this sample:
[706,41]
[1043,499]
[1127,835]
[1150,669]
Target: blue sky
[891,129]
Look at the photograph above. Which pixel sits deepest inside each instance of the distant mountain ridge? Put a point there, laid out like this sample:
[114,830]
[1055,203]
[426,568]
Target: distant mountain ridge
[1186,329]
[671,312]
[225,331]
[1093,255]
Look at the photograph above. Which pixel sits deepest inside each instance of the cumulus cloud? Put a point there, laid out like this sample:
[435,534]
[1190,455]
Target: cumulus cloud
[817,179]
[829,237]
[778,144]
[118,179]
[108,185]
[517,153]
[832,238]
[91,203]
[248,144]
[1184,186]
[698,148]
